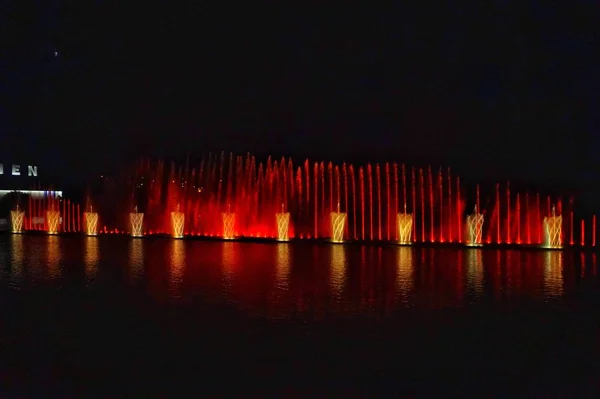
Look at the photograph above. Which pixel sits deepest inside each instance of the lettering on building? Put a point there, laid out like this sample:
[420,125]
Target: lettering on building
[15,170]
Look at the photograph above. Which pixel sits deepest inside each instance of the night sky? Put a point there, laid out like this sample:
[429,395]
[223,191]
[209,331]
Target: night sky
[501,90]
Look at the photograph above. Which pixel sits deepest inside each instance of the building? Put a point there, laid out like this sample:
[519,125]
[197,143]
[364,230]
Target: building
[18,184]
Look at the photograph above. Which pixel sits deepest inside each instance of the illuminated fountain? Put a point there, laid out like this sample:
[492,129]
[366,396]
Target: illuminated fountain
[53,218]
[136,220]
[91,222]
[177,223]
[283,225]
[375,198]
[228,224]
[474,228]
[553,230]
[16,219]
[405,225]
[338,224]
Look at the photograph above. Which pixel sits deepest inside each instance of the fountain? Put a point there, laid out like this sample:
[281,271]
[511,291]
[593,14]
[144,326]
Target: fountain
[16,219]
[405,225]
[373,197]
[177,223]
[91,222]
[228,224]
[474,228]
[283,225]
[338,224]
[53,219]
[553,230]
[136,220]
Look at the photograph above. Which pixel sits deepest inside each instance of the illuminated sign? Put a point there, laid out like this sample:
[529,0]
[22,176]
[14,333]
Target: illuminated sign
[15,170]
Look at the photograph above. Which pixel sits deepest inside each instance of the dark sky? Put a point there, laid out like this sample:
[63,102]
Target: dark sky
[499,89]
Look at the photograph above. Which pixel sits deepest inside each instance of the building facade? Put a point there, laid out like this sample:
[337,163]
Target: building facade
[20,183]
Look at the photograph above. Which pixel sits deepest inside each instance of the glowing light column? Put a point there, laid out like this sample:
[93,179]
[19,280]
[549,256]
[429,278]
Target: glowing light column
[338,224]
[283,225]
[136,220]
[553,230]
[16,220]
[474,228]
[405,225]
[228,224]
[53,220]
[91,222]
[177,223]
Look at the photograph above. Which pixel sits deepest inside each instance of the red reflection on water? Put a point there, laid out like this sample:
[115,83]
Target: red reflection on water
[313,282]
[439,280]
[254,274]
[405,266]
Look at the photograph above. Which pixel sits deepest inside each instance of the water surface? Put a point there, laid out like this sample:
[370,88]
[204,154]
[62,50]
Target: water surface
[156,315]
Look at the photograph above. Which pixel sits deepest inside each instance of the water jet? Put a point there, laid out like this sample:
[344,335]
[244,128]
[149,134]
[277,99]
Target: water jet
[474,228]
[553,230]
[53,220]
[283,225]
[338,224]
[16,220]
[91,222]
[136,220]
[177,223]
[228,224]
[405,225]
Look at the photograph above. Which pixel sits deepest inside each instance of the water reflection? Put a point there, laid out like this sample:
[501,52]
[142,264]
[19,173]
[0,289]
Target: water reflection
[475,271]
[365,282]
[553,274]
[176,268]
[91,257]
[337,270]
[303,281]
[53,256]
[405,273]
[136,260]
[229,259]
[279,295]
[251,275]
[17,254]
[371,285]
[283,266]
[4,256]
